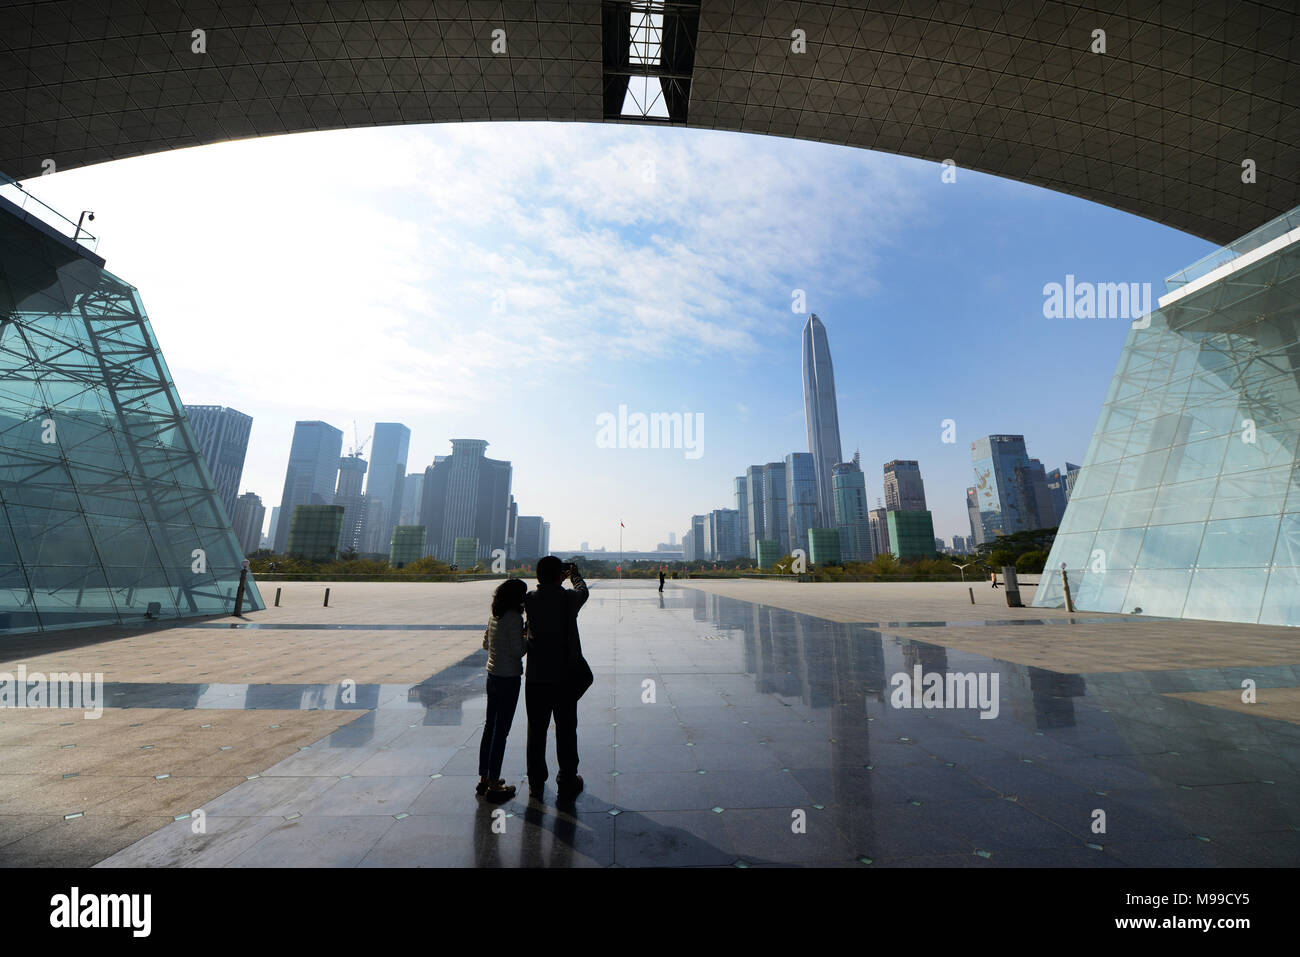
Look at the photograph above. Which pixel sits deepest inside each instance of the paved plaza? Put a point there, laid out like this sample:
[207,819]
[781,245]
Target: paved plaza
[732,723]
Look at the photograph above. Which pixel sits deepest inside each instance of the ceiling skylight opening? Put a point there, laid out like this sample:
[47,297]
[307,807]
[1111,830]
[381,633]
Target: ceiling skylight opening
[647,33]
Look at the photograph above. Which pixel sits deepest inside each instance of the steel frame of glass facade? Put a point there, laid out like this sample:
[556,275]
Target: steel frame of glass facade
[106,503]
[1188,503]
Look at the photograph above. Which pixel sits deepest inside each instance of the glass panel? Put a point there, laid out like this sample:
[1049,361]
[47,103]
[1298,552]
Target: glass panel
[1158,592]
[1239,541]
[1171,546]
[1281,597]
[1225,594]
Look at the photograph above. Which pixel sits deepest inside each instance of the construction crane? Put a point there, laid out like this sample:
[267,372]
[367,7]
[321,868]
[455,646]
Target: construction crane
[358,446]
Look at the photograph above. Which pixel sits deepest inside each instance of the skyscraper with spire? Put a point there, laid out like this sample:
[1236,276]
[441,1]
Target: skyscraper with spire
[821,413]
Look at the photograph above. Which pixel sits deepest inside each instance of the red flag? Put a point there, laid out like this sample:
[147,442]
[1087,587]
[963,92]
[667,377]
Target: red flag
[621,525]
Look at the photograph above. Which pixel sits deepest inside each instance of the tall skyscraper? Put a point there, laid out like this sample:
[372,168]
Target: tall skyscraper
[724,532]
[776,517]
[528,538]
[703,547]
[223,438]
[312,473]
[879,521]
[1010,488]
[247,522]
[754,507]
[741,487]
[275,523]
[352,472]
[852,516]
[801,506]
[466,495]
[387,481]
[904,490]
[820,412]
[412,491]
[1058,486]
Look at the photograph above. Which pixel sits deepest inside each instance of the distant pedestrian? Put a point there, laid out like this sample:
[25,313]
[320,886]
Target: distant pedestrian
[505,639]
[661,579]
[995,579]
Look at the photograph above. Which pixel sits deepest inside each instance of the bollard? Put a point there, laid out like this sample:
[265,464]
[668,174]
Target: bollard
[1011,586]
[327,597]
[1069,601]
[277,598]
[972,595]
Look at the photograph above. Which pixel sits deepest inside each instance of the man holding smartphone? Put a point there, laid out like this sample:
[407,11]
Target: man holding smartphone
[553,647]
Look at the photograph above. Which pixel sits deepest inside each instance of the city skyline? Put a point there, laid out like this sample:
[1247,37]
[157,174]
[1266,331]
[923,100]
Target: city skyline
[530,346]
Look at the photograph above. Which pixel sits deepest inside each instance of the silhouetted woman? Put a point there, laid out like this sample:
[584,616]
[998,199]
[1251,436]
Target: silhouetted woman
[506,645]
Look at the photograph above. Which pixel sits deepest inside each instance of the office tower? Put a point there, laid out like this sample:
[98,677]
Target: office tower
[904,490]
[879,521]
[352,471]
[911,534]
[824,546]
[466,495]
[1071,474]
[275,522]
[586,546]
[754,505]
[688,547]
[802,511]
[546,538]
[528,538]
[387,481]
[973,514]
[412,489]
[940,546]
[776,516]
[851,515]
[768,552]
[724,531]
[223,438]
[672,539]
[314,532]
[512,522]
[247,522]
[702,546]
[312,473]
[407,545]
[1001,495]
[959,545]
[820,412]
[1037,503]
[741,492]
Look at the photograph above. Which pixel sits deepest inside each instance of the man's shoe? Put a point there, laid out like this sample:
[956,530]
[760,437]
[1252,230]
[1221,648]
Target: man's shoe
[536,793]
[569,789]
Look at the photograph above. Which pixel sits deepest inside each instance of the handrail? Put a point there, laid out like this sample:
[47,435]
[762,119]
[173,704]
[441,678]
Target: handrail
[13,191]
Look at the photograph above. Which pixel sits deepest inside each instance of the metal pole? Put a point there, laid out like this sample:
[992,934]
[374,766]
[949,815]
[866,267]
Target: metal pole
[277,598]
[1065,582]
[327,598]
[972,594]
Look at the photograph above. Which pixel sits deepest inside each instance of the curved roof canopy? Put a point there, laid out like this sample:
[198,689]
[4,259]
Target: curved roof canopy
[1159,124]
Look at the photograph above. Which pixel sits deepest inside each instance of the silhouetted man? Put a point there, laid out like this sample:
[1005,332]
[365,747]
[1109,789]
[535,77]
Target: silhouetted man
[661,579]
[553,648]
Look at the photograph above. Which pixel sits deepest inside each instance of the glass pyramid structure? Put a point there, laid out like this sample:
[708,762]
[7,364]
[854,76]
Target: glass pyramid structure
[108,513]
[1188,503]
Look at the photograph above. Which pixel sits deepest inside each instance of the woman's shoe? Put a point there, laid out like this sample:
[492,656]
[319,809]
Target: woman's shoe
[481,788]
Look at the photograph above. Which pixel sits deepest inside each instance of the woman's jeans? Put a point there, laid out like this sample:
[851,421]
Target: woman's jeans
[502,697]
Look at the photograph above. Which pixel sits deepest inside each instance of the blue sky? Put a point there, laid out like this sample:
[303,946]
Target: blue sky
[512,282]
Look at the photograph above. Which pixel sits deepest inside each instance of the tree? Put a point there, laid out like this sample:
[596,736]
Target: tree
[1031,563]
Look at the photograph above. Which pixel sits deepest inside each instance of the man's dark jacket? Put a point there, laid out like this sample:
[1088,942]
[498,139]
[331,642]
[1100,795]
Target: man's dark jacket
[554,645]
